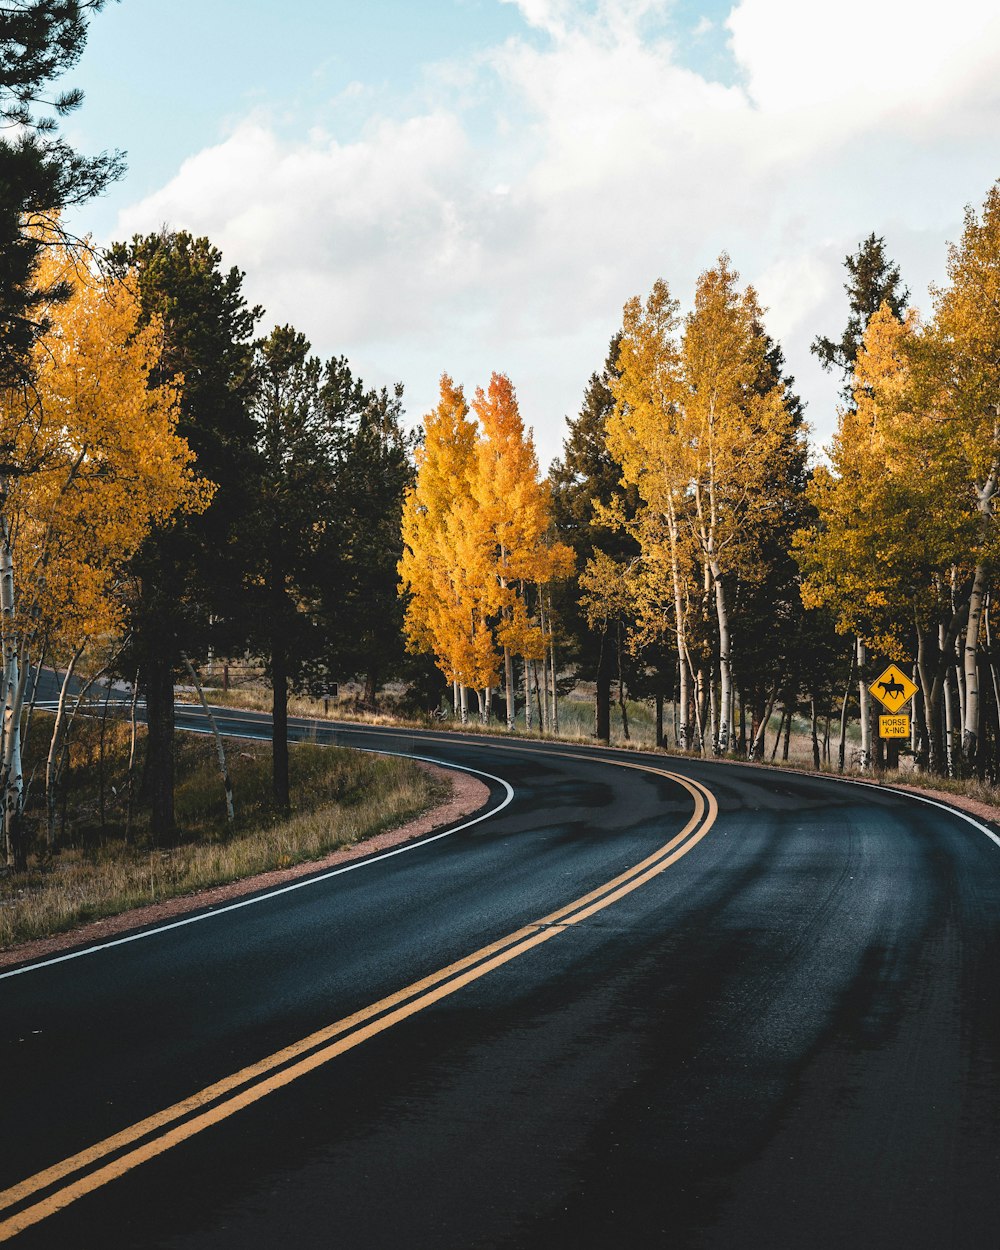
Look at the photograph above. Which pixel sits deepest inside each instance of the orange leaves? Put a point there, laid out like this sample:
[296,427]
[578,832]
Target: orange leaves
[476,527]
[99,458]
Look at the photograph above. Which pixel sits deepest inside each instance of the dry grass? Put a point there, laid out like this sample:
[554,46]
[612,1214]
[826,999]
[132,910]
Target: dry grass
[339,797]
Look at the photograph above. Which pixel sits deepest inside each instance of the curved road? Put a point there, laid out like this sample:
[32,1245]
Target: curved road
[666,1004]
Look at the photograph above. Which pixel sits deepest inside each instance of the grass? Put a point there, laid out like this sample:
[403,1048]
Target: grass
[576,724]
[339,797]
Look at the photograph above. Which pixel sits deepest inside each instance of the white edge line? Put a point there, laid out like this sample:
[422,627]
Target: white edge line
[294,885]
[921,798]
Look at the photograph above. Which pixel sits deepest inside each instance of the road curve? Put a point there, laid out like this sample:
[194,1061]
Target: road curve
[706,1006]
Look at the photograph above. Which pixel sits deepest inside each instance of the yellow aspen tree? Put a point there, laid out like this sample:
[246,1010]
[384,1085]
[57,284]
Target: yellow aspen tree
[646,435]
[92,462]
[965,337]
[442,566]
[515,512]
[738,437]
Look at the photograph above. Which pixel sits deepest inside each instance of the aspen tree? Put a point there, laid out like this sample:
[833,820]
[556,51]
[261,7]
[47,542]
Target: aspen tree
[443,568]
[646,436]
[966,331]
[93,461]
[515,514]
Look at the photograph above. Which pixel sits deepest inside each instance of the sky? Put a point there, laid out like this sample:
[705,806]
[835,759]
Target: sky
[470,186]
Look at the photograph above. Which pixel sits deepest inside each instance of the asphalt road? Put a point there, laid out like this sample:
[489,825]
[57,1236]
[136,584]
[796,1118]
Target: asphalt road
[781,1030]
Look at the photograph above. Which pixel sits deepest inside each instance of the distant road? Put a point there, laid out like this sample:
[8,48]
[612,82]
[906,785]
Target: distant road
[650,1001]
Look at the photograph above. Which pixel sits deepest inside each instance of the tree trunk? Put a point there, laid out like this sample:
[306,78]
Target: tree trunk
[605,669]
[463,702]
[130,775]
[843,714]
[555,688]
[970,665]
[220,749]
[54,758]
[757,746]
[815,736]
[508,674]
[621,682]
[371,689]
[864,700]
[528,716]
[158,778]
[725,729]
[280,789]
[14,677]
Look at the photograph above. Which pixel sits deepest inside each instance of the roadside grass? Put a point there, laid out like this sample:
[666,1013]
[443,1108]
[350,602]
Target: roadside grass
[339,797]
[576,725]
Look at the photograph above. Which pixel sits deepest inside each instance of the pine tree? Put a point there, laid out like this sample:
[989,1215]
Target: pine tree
[40,173]
[874,280]
[187,579]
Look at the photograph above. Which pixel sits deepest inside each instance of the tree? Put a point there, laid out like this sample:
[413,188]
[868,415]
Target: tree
[295,451]
[706,433]
[105,465]
[442,567]
[586,484]
[514,512]
[874,280]
[476,529]
[40,173]
[965,342]
[372,471]
[187,579]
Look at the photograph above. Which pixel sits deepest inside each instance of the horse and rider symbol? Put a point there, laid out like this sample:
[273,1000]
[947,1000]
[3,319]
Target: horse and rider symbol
[893,688]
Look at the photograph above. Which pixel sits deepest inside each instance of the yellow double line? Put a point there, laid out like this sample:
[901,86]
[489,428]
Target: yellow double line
[77,1176]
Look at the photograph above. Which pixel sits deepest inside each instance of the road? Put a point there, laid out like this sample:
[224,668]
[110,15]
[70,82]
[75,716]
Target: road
[648,1002]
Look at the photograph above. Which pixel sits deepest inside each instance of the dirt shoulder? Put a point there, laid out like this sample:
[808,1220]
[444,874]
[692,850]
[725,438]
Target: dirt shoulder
[468,794]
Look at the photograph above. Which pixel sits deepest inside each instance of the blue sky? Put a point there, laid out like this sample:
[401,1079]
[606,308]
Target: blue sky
[469,185]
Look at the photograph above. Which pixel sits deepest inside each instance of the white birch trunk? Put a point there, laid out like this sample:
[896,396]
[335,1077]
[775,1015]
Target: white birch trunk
[864,702]
[508,673]
[554,720]
[725,729]
[713,714]
[13,695]
[970,719]
[463,702]
[527,693]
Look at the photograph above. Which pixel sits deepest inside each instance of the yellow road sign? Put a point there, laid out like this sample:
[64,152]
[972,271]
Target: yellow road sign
[893,688]
[893,726]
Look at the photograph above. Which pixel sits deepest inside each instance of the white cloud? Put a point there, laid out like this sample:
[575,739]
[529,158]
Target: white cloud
[440,241]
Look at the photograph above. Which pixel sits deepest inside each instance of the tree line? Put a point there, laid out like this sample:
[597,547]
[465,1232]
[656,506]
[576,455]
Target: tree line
[176,486]
[685,548]
[173,485]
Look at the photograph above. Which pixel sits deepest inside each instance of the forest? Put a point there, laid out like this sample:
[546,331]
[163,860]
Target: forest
[179,489]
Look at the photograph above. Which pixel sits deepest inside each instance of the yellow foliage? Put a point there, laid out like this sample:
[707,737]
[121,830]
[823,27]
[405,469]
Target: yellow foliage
[94,457]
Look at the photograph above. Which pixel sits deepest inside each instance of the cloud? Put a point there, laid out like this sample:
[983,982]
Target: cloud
[503,225]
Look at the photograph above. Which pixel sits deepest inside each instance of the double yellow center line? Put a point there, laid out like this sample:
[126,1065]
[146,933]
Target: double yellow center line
[89,1169]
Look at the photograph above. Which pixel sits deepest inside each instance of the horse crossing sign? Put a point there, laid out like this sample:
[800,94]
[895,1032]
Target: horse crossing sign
[893,689]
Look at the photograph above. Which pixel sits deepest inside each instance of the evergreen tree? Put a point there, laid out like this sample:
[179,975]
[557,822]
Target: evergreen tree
[373,470]
[185,591]
[40,173]
[586,479]
[873,280]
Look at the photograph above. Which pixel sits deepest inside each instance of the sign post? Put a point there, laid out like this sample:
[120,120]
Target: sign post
[893,689]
